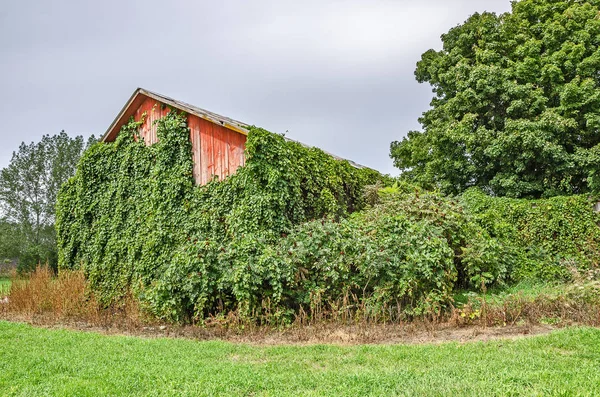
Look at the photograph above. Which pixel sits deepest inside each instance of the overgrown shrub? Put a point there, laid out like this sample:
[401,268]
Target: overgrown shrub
[132,217]
[400,258]
[549,237]
[290,235]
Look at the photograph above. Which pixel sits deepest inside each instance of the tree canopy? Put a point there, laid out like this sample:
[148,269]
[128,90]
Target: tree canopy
[516,109]
[28,189]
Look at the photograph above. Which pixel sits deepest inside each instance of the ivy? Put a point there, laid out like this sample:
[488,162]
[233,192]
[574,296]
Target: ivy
[291,234]
[551,237]
[132,218]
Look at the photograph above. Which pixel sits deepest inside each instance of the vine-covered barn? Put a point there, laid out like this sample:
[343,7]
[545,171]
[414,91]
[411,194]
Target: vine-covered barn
[218,142]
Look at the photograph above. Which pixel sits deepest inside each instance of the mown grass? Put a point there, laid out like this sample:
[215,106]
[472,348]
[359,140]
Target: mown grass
[70,363]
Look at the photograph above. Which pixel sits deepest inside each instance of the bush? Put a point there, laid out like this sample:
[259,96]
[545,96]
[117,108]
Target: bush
[549,238]
[131,217]
[290,235]
[399,259]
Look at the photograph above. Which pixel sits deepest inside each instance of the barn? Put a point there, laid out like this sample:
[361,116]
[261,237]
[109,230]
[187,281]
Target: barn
[218,142]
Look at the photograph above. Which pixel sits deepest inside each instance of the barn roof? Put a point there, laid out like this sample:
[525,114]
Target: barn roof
[140,94]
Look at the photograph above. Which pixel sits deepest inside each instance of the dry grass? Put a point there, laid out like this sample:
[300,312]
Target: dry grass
[576,303]
[64,296]
[44,298]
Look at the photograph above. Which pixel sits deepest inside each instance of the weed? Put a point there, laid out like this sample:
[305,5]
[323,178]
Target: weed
[43,296]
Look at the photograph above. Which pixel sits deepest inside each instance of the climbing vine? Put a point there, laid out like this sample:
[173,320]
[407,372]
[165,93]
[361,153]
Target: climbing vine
[132,217]
[552,237]
[297,233]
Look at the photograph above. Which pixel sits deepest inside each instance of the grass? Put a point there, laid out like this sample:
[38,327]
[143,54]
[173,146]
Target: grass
[527,289]
[4,285]
[529,302]
[38,361]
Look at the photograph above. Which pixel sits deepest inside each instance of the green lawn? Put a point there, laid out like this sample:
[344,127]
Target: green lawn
[36,362]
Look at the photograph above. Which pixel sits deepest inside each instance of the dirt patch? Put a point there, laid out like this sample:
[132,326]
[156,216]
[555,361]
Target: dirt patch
[411,333]
[375,334]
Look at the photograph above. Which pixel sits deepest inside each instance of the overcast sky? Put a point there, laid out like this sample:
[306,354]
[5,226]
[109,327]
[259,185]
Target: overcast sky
[334,74]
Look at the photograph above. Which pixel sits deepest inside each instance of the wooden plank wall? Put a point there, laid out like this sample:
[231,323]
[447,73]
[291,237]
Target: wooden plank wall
[154,111]
[216,150]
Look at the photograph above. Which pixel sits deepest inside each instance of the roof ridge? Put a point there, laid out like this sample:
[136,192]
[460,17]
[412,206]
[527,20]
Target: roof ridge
[227,122]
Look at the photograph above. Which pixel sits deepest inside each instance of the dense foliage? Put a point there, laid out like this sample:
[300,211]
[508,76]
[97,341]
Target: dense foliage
[408,254]
[283,237]
[28,189]
[133,219]
[550,238]
[517,104]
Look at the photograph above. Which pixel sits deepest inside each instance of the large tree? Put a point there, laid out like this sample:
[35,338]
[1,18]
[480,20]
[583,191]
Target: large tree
[28,189]
[516,109]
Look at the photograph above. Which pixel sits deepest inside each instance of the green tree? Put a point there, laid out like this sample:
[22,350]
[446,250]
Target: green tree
[28,189]
[516,109]
[9,243]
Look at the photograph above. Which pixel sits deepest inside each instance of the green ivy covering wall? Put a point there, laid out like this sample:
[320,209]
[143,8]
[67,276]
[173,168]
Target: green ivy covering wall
[290,234]
[552,237]
[132,218]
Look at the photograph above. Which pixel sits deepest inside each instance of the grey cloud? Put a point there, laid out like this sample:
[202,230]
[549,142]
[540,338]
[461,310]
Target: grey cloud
[334,74]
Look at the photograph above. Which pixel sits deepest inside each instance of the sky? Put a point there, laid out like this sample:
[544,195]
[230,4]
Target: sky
[338,75]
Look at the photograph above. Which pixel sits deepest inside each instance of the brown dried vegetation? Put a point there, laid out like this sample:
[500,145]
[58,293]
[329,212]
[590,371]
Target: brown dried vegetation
[46,299]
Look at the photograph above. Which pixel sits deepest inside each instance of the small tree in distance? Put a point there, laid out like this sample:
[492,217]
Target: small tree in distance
[28,189]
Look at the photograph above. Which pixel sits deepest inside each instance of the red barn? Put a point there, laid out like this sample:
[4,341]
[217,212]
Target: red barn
[218,142]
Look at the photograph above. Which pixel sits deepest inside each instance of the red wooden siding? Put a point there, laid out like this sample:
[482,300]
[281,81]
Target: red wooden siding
[216,150]
[194,127]
[219,150]
[150,111]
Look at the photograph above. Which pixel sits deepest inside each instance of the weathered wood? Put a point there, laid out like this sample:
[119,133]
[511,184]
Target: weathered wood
[140,95]
[218,142]
[216,150]
[196,150]
[232,126]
